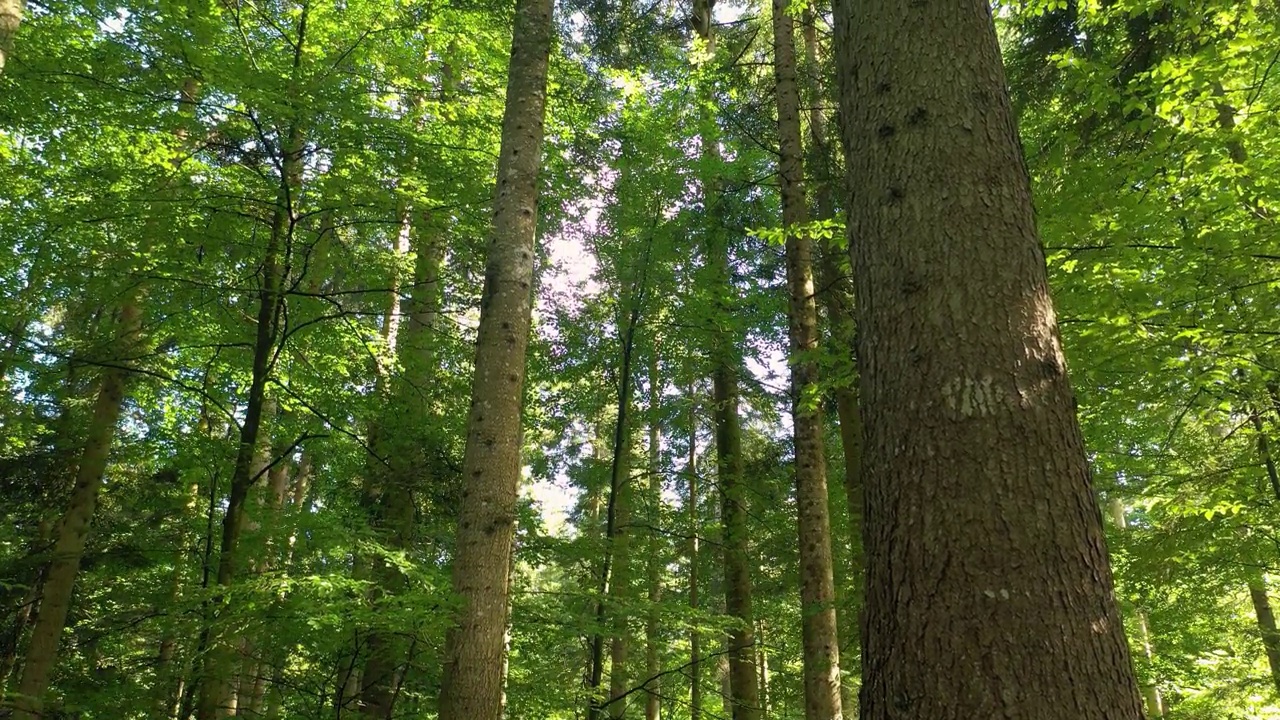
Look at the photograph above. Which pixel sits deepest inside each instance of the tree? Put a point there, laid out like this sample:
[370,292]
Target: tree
[817,584]
[476,651]
[972,439]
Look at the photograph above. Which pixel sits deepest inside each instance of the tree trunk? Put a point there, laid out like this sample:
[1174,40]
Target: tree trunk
[72,529]
[743,682]
[475,650]
[976,606]
[615,571]
[10,19]
[402,466]
[1151,698]
[654,559]
[835,298]
[1266,624]
[817,584]
[695,526]
[218,689]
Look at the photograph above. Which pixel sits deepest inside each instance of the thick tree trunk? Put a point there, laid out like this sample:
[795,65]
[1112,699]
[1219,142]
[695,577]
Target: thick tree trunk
[73,528]
[10,18]
[972,439]
[817,585]
[475,650]
[654,554]
[1266,624]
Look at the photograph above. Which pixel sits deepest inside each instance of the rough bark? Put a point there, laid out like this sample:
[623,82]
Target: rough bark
[475,650]
[817,585]
[10,18]
[989,590]
[744,684]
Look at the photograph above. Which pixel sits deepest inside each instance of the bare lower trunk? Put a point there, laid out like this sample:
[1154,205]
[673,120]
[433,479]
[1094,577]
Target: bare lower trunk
[475,650]
[835,298]
[817,584]
[971,434]
[64,565]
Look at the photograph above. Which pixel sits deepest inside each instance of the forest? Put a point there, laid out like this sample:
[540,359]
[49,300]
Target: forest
[647,359]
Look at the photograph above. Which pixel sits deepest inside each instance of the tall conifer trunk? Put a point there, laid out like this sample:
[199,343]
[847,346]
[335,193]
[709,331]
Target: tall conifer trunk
[835,298]
[476,649]
[817,586]
[977,606]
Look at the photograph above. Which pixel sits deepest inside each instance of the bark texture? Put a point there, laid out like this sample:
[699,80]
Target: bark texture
[817,585]
[476,648]
[989,590]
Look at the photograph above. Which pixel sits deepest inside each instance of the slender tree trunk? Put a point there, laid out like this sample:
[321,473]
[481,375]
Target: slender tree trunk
[743,681]
[73,528]
[10,18]
[406,468]
[620,582]
[654,559]
[217,695]
[817,584]
[475,649]
[614,579]
[835,298]
[1151,698]
[695,527]
[1266,624]
[762,662]
[972,438]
